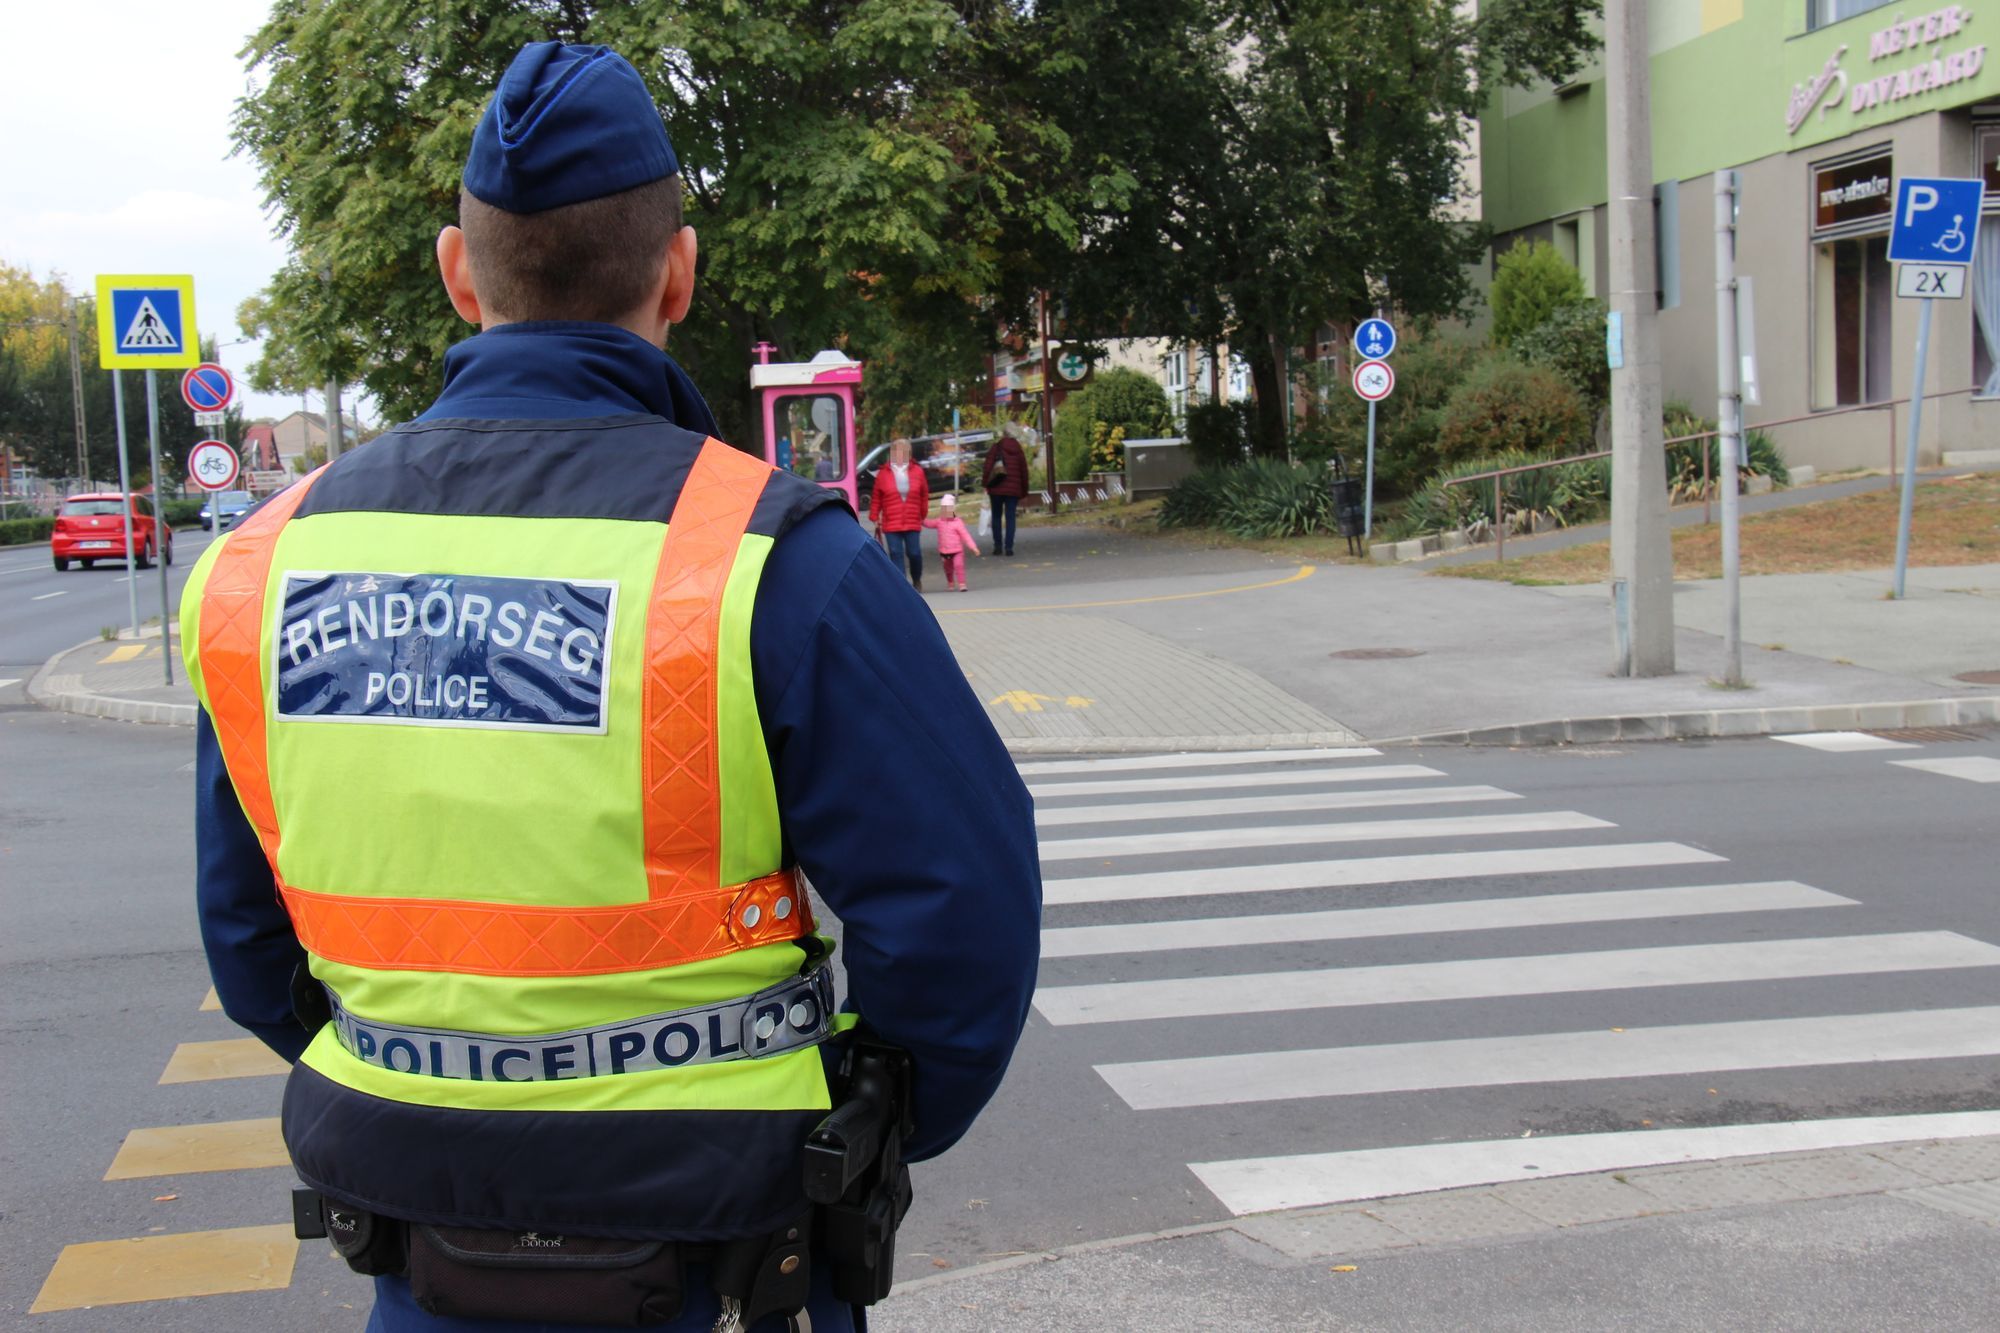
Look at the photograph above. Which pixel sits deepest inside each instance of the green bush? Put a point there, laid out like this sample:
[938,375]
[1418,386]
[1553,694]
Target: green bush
[1530,283]
[1117,398]
[1575,492]
[1684,473]
[1504,406]
[1428,368]
[1570,342]
[1219,433]
[1264,498]
[21,531]
[182,513]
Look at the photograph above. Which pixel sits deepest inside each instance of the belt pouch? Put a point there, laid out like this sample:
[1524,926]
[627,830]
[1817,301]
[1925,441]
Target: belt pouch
[532,1276]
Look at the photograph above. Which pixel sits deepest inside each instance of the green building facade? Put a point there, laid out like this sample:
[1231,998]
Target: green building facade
[1820,105]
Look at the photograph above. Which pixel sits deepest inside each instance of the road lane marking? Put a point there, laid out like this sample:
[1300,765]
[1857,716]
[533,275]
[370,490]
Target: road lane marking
[1259,805]
[1840,742]
[1494,978]
[211,1002]
[10,680]
[1310,1180]
[1221,781]
[1287,835]
[236,1057]
[60,592]
[1556,1057]
[1366,870]
[1355,923]
[1220,759]
[1302,572]
[1973,768]
[176,1150]
[164,1268]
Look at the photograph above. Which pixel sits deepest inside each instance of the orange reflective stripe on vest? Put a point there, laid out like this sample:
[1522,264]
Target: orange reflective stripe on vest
[688,914]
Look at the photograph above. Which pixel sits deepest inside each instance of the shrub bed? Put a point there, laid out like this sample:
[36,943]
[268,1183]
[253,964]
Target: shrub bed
[1265,498]
[21,531]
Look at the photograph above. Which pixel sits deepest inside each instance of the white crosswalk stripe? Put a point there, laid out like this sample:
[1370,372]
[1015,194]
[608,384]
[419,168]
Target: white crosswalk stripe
[1293,835]
[1484,978]
[1370,870]
[1284,777]
[1556,1057]
[1226,759]
[1356,923]
[1842,742]
[1268,805]
[1973,768]
[1122,975]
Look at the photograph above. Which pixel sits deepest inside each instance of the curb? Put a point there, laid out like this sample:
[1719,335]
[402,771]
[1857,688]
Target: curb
[1919,1170]
[1725,722]
[63,692]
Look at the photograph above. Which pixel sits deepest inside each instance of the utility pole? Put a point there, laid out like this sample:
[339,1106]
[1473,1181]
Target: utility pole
[333,443]
[76,392]
[1642,576]
[1729,420]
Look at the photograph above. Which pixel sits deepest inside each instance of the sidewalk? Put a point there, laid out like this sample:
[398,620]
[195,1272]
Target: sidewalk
[1903,1236]
[1095,640]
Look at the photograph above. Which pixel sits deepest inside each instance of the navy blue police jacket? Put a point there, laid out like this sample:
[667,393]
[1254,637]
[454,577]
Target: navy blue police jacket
[862,705]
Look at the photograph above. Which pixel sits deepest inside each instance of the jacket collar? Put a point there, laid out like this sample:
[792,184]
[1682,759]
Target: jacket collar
[551,370]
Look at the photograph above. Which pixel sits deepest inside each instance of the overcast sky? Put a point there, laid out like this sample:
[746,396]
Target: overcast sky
[116,157]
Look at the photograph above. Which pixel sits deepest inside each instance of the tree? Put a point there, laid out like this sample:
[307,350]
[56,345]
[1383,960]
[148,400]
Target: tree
[38,403]
[1119,399]
[856,169]
[1292,163]
[1530,283]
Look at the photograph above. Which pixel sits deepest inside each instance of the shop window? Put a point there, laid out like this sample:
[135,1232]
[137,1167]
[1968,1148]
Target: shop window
[1983,286]
[1819,13]
[1854,293]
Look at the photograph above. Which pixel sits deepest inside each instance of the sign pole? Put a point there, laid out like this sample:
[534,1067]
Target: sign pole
[1729,421]
[1368,488]
[1910,453]
[125,495]
[159,522]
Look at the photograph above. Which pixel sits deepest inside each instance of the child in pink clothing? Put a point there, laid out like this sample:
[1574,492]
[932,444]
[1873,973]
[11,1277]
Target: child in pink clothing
[954,540]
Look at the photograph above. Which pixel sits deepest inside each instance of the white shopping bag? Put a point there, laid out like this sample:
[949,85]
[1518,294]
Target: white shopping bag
[986,520]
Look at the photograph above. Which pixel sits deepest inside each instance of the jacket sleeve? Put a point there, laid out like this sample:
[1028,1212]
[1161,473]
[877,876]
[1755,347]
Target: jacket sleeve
[251,949]
[903,808]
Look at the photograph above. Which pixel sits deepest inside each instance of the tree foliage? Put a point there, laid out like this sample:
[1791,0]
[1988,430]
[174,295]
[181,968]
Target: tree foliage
[37,398]
[1530,283]
[1117,399]
[1288,163]
[856,170]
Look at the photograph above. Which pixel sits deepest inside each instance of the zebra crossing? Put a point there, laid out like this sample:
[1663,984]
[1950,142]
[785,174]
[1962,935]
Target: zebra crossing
[1177,885]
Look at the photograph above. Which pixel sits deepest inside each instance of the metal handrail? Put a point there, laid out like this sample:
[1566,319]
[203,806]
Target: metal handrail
[1888,404]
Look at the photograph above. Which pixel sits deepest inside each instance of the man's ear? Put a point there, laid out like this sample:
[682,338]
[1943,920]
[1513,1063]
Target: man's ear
[677,292]
[456,270]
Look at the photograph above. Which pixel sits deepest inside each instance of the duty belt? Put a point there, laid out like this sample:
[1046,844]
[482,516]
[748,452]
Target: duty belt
[794,1013]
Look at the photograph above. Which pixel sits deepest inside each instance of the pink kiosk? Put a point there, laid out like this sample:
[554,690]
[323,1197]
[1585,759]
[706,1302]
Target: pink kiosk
[808,409]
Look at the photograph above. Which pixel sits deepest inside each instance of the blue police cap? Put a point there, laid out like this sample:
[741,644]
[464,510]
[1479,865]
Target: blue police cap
[566,124]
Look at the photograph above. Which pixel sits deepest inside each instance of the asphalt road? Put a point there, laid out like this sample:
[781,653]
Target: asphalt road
[43,612]
[1872,930]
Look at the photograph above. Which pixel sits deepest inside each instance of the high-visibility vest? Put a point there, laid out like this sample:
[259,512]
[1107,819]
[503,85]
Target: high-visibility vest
[521,878]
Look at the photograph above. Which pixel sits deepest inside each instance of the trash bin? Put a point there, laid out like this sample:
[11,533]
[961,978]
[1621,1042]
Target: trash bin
[1347,506]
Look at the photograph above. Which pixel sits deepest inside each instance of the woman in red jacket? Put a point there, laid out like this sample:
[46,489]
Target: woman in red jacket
[900,503]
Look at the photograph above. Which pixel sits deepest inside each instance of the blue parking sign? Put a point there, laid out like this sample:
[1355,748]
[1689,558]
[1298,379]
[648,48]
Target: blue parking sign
[1937,218]
[1374,339]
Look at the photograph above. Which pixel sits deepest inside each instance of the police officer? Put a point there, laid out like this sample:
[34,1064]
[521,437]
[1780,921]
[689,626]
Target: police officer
[523,727]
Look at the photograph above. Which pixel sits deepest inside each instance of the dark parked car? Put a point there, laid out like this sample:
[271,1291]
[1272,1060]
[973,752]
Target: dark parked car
[942,461]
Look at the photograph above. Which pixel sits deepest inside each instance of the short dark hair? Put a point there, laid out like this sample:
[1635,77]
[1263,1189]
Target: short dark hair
[594,260]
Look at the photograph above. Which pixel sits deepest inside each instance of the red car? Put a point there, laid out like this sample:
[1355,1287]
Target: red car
[92,528]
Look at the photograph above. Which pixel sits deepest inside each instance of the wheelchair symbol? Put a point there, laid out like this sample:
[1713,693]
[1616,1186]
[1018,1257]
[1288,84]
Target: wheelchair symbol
[1953,240]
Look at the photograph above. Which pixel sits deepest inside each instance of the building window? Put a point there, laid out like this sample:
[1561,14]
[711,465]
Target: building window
[1177,385]
[1819,13]
[1854,292]
[1983,283]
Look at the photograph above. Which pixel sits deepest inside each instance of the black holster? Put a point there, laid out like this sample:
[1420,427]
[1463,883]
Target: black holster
[855,1172]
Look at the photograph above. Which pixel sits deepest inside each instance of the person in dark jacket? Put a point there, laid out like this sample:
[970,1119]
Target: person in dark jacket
[900,503]
[1006,480]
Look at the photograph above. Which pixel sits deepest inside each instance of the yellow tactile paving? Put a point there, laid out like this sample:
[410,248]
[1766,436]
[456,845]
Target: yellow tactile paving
[238,1057]
[211,1003]
[175,1150]
[124,652]
[164,1268]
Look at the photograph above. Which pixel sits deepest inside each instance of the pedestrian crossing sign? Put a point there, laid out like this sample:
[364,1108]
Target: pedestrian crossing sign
[145,321]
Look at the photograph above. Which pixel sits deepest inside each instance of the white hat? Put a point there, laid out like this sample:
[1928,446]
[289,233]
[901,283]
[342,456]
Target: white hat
[949,501]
